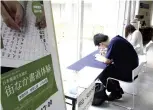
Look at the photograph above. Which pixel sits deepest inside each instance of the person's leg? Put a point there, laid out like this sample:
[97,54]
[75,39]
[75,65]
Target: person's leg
[115,89]
[109,71]
[113,85]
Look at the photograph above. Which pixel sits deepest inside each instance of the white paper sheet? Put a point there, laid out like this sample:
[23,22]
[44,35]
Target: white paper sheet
[88,75]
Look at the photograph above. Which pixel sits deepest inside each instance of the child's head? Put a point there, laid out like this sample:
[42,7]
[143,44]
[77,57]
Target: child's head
[101,40]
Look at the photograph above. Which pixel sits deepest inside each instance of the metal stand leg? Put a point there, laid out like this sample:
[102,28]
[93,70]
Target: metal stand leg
[133,95]
[73,104]
[122,106]
[144,67]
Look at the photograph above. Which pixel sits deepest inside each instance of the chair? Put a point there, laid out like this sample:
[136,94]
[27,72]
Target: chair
[144,56]
[135,74]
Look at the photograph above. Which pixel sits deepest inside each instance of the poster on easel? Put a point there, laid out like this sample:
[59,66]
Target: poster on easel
[30,71]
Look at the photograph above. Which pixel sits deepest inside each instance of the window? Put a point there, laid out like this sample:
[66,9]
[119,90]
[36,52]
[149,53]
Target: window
[101,16]
[65,14]
[77,21]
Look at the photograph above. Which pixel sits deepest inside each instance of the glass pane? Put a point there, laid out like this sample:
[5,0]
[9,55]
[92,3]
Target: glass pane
[89,28]
[101,16]
[121,18]
[65,15]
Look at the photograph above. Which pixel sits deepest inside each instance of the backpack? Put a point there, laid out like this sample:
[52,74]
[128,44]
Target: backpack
[99,95]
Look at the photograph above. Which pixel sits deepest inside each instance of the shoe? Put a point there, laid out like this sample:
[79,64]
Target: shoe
[121,91]
[114,96]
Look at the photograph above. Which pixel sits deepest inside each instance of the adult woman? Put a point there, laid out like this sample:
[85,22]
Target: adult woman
[135,38]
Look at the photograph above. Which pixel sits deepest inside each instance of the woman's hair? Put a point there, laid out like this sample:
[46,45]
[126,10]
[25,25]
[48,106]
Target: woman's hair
[98,38]
[129,29]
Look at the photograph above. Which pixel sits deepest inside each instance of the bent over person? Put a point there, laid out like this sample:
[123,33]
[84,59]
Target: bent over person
[121,58]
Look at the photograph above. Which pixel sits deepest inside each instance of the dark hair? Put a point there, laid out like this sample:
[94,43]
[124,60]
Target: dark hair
[98,38]
[147,34]
[129,29]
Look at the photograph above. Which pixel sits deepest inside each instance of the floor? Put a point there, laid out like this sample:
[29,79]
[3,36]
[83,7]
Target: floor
[144,85]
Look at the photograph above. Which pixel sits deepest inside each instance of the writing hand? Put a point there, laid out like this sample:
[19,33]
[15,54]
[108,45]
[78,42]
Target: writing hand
[12,14]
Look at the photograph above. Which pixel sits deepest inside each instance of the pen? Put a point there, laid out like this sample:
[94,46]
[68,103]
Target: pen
[44,41]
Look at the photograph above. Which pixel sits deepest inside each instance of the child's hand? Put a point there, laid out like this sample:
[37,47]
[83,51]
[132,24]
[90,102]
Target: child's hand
[12,14]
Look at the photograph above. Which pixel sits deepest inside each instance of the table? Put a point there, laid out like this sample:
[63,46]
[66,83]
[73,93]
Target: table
[72,97]
[79,66]
[85,88]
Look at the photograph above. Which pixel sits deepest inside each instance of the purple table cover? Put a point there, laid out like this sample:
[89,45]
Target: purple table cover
[89,60]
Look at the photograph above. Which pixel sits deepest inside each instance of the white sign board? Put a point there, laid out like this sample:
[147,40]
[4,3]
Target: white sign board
[30,70]
[84,101]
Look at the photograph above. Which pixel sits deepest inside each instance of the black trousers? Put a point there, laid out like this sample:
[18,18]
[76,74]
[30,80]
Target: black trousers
[113,72]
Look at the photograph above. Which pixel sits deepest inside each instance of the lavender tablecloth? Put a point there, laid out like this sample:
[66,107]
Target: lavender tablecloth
[89,60]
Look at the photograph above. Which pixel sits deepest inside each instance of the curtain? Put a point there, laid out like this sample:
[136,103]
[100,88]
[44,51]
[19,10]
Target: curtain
[131,10]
